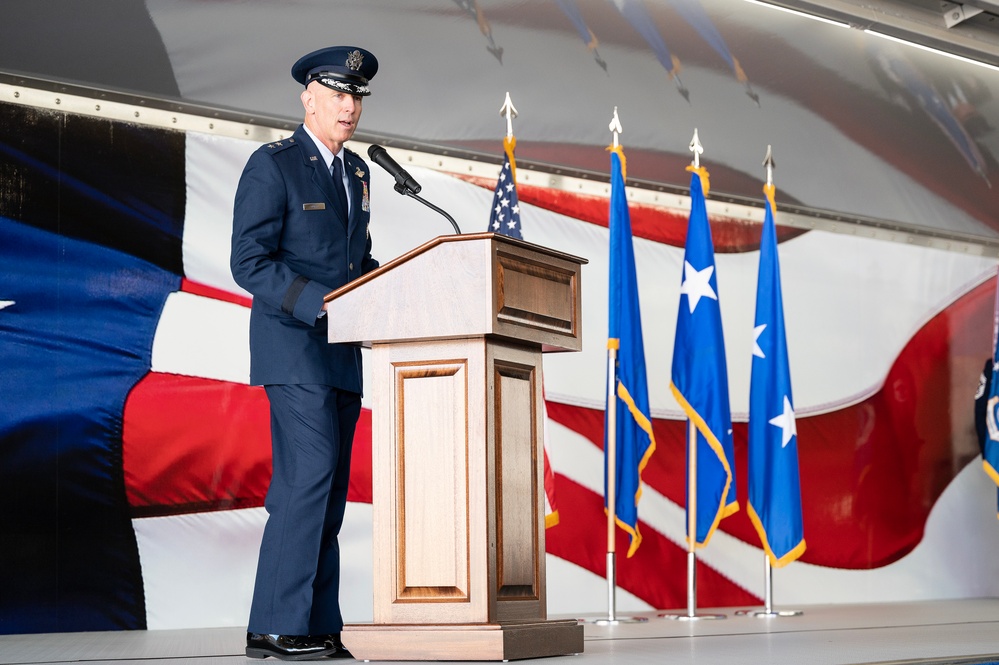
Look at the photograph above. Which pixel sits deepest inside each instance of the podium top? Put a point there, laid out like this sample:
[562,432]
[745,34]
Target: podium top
[478,284]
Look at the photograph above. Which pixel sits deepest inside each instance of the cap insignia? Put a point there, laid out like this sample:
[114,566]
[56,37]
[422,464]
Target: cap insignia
[354,60]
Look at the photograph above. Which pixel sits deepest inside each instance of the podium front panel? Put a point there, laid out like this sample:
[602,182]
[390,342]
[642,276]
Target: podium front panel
[457,455]
[429,484]
[432,483]
[515,468]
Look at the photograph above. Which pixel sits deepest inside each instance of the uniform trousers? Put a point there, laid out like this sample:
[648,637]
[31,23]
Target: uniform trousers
[298,573]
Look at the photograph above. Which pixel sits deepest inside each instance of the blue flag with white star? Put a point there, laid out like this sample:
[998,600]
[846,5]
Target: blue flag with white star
[634,441]
[990,442]
[505,214]
[700,373]
[774,486]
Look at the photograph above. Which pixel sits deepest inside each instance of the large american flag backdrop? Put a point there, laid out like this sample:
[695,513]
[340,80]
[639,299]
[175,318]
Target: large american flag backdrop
[134,456]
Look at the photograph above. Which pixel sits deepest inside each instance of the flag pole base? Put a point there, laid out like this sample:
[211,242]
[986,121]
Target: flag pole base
[613,622]
[767,614]
[689,617]
[612,619]
[691,614]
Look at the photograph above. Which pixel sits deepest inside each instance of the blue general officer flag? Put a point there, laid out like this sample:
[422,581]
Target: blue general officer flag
[774,486]
[505,214]
[990,443]
[634,440]
[700,373]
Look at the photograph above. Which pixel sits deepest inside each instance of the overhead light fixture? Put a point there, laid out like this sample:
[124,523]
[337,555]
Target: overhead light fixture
[953,56]
[875,33]
[838,24]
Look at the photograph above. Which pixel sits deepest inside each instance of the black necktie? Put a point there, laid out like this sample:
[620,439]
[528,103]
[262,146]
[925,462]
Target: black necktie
[341,193]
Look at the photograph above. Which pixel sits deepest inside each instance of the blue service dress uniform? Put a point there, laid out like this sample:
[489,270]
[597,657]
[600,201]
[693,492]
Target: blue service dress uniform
[291,246]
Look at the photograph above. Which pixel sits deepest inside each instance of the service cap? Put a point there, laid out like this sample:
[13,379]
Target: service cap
[344,68]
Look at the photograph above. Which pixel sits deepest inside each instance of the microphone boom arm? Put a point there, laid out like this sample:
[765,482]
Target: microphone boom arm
[402,189]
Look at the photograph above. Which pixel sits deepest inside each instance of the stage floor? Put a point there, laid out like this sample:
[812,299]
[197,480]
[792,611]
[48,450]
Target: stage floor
[940,632]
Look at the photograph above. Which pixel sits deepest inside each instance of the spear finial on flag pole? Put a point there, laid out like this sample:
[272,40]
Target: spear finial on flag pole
[509,112]
[615,127]
[770,165]
[696,148]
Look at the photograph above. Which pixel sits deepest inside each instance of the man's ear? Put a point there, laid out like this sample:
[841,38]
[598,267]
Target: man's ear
[308,101]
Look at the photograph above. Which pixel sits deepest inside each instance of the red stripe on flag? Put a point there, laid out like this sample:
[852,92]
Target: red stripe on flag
[192,444]
[199,289]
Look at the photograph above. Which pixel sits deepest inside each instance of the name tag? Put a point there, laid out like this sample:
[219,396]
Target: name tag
[313,206]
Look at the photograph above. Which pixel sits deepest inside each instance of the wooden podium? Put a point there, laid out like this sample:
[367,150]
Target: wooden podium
[457,328]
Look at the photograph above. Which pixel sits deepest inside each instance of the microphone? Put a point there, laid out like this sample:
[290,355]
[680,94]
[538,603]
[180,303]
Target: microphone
[404,181]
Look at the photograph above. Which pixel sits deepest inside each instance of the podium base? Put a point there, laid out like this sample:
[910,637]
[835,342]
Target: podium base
[506,641]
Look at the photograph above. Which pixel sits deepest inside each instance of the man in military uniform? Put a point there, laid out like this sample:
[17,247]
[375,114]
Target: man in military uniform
[300,230]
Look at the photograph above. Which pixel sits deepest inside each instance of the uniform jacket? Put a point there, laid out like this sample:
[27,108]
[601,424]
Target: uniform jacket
[290,247]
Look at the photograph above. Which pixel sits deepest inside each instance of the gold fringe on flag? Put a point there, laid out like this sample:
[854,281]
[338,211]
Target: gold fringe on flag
[703,172]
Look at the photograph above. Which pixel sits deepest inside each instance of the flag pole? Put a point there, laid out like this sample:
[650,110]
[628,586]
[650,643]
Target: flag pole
[768,571]
[611,481]
[692,615]
[691,519]
[611,455]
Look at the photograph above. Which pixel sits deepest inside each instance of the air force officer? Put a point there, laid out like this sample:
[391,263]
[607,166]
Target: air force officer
[300,230]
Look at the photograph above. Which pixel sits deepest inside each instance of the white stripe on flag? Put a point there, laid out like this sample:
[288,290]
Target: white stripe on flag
[203,337]
[198,569]
[214,164]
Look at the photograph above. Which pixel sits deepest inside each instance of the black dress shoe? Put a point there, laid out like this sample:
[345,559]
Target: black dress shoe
[287,647]
[339,651]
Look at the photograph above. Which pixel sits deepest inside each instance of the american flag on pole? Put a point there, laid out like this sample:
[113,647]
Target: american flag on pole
[504,218]
[505,214]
